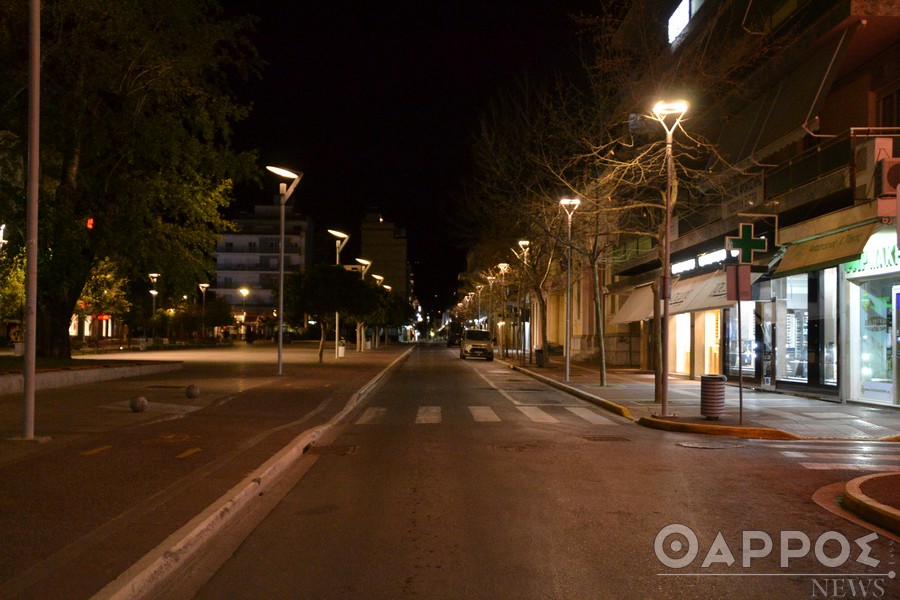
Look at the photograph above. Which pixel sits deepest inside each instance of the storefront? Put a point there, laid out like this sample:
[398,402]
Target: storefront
[872,331]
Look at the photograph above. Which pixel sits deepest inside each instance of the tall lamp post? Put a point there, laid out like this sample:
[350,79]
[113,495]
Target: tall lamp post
[502,268]
[340,240]
[523,295]
[360,331]
[569,205]
[666,113]
[203,287]
[284,193]
[153,277]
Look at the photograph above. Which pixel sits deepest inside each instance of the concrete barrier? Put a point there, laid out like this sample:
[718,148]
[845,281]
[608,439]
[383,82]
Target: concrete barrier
[13,383]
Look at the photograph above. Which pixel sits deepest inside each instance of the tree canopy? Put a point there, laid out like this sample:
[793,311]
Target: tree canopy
[136,117]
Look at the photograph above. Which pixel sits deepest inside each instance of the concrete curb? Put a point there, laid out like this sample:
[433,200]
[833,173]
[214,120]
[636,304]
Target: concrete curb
[762,433]
[868,508]
[13,383]
[147,576]
[612,407]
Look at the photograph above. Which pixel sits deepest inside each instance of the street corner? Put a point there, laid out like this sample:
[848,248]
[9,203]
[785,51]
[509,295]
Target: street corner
[876,499]
[672,424]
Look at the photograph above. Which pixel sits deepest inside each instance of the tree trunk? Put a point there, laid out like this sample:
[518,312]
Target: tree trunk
[598,304]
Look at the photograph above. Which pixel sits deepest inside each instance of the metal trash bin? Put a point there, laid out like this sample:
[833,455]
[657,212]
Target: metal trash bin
[712,396]
[539,357]
[342,348]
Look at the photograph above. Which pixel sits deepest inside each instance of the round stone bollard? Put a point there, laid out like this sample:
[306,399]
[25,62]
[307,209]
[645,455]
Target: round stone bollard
[712,396]
[138,404]
[192,391]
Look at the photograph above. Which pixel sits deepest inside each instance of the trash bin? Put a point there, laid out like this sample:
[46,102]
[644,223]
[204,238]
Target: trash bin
[712,396]
[341,349]
[539,357]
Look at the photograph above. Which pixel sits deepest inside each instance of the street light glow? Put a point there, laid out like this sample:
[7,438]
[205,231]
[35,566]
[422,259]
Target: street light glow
[662,109]
[338,234]
[364,262]
[284,172]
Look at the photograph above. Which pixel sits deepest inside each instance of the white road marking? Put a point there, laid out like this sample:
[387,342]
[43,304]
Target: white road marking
[429,414]
[589,415]
[372,415]
[537,415]
[483,414]
[885,457]
[849,466]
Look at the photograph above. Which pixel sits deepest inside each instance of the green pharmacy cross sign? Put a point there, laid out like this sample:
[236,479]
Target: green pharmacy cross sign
[746,243]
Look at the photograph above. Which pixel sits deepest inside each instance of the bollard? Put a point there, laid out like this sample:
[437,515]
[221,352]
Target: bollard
[139,404]
[192,391]
[712,396]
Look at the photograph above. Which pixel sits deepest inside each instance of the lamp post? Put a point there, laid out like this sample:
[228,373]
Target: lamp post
[153,277]
[490,279]
[569,205]
[360,331]
[243,292]
[203,287]
[340,240]
[502,268]
[284,192]
[663,110]
[523,296]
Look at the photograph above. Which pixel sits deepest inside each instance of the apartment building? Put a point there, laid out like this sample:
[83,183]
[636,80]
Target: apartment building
[813,135]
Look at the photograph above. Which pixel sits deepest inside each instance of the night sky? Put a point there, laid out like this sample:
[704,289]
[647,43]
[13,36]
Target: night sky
[377,102]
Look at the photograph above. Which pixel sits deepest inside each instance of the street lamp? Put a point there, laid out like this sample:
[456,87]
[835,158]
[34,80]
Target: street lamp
[340,240]
[663,110]
[490,279]
[360,332]
[243,292]
[378,279]
[203,287]
[284,193]
[523,297]
[569,205]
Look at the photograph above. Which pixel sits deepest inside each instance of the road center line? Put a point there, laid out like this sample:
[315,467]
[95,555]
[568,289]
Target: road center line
[502,392]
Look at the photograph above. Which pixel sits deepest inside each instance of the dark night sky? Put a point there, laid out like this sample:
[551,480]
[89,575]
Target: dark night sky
[376,102]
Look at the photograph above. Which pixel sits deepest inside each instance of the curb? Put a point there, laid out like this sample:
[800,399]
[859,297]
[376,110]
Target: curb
[868,508]
[762,433]
[157,567]
[612,407]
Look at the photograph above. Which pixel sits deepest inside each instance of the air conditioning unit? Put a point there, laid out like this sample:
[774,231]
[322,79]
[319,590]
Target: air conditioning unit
[868,156]
[887,177]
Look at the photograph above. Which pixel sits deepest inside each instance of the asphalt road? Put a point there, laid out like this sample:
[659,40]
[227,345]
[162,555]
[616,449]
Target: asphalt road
[463,479]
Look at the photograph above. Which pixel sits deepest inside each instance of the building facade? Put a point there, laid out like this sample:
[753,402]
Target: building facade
[815,139]
[248,260]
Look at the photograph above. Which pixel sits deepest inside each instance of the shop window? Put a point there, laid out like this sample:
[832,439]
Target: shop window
[889,109]
[875,316]
[806,343]
[741,344]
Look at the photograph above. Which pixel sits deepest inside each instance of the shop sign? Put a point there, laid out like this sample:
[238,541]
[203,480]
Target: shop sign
[881,255]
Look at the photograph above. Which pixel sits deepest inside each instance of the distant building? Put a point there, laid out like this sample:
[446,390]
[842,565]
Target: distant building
[385,244]
[248,258]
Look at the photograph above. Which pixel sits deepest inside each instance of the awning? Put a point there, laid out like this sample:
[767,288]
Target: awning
[785,111]
[826,251]
[684,291]
[713,294]
[637,307]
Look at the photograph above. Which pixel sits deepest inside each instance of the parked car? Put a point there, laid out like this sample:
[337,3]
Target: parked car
[454,335]
[476,342]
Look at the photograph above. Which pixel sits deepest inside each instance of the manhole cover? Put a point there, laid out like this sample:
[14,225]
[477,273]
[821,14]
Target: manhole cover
[710,445]
[515,447]
[605,438]
[332,450]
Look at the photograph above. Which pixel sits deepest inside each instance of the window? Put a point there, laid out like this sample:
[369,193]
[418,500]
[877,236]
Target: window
[889,109]
[682,15]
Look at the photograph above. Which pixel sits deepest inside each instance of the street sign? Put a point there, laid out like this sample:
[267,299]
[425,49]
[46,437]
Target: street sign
[746,243]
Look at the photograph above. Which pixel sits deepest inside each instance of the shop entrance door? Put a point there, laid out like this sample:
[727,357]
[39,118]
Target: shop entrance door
[769,329]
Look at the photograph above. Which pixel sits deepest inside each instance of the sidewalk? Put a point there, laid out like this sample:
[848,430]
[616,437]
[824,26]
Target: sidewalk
[762,415]
[106,494]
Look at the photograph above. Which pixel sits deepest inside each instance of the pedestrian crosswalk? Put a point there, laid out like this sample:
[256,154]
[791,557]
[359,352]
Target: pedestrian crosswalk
[426,415]
[837,455]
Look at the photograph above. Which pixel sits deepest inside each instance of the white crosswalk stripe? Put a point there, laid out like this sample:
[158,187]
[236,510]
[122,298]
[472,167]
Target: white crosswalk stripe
[428,414]
[837,455]
[485,414]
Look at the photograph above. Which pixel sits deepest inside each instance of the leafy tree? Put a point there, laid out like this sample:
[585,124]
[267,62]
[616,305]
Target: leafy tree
[104,293]
[322,290]
[136,118]
[12,286]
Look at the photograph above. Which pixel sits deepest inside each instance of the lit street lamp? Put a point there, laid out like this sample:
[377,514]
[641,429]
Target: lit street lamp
[153,277]
[569,205]
[661,111]
[340,240]
[360,331]
[243,292]
[284,193]
[203,287]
